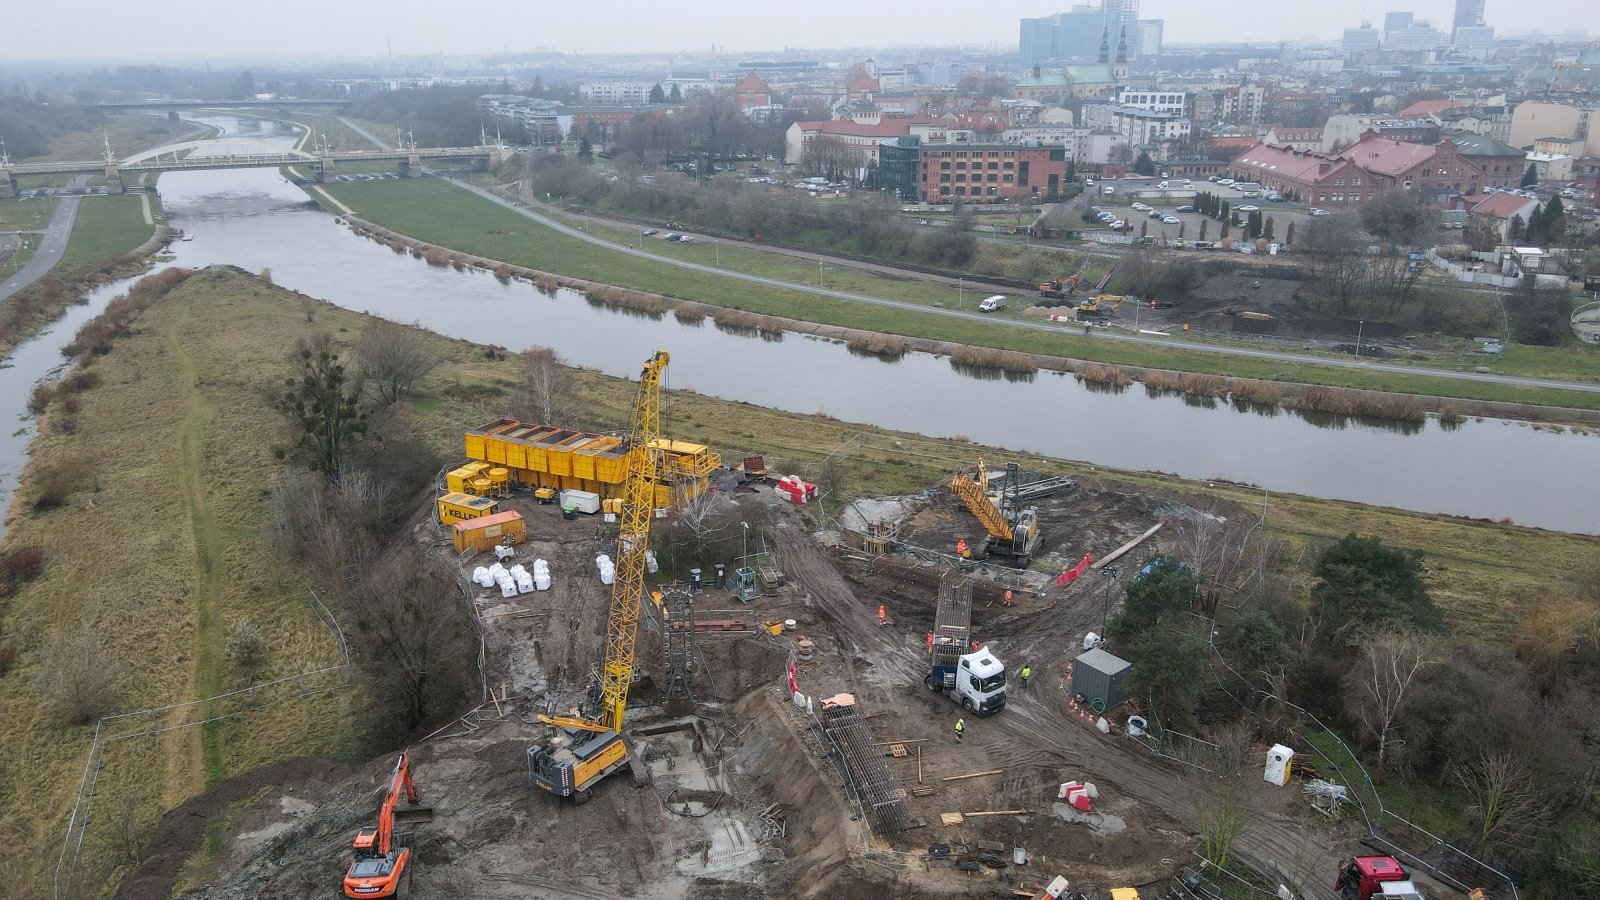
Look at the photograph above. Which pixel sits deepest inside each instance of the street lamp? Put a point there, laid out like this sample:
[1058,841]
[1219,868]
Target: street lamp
[1360,327]
[744,557]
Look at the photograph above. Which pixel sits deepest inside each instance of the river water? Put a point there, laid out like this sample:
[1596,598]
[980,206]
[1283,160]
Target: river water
[256,219]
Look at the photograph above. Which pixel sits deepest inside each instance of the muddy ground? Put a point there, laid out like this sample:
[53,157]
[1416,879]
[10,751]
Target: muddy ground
[744,800]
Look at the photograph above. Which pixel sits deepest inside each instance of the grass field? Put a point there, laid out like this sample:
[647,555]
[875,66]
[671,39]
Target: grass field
[106,228]
[166,546]
[435,211]
[26,215]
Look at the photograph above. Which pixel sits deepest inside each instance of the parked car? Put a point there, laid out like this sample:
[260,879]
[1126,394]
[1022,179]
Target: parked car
[674,236]
[1170,220]
[649,232]
[1117,225]
[1319,212]
[1141,207]
[1249,209]
[1185,208]
[1225,182]
[1157,214]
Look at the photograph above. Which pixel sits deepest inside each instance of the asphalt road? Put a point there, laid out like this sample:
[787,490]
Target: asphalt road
[52,243]
[1295,359]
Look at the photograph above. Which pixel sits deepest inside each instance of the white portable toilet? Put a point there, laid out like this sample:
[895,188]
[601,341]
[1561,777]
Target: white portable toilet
[1279,762]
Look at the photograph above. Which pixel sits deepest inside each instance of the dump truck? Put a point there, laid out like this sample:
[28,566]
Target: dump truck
[1375,878]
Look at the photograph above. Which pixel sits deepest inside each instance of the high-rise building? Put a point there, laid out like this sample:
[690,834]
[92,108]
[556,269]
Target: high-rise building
[1468,12]
[1395,21]
[1150,35]
[1420,36]
[1076,33]
[1363,39]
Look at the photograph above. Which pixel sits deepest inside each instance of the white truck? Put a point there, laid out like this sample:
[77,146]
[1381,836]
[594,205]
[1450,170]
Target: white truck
[993,304]
[972,677]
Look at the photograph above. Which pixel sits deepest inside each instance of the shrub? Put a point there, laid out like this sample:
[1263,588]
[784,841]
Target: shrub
[503,273]
[547,284]
[1263,392]
[436,256]
[1101,373]
[1450,416]
[690,312]
[1199,385]
[246,649]
[891,346]
[55,482]
[19,566]
[77,678]
[1340,401]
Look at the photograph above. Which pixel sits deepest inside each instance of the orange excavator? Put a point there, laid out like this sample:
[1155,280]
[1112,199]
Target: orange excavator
[1059,287]
[382,863]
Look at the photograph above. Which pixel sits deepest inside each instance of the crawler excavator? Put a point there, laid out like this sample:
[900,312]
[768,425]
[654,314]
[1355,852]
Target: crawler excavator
[382,867]
[588,744]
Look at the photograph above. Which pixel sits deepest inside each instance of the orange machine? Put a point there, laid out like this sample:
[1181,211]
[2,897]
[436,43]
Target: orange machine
[381,862]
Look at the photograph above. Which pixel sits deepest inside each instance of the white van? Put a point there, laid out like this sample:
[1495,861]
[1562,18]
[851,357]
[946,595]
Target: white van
[991,304]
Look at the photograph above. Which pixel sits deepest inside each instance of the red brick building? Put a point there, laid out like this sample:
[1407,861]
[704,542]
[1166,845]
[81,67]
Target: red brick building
[751,91]
[1436,171]
[990,172]
[1316,179]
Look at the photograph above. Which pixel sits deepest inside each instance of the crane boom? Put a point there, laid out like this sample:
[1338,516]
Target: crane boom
[627,590]
[975,494]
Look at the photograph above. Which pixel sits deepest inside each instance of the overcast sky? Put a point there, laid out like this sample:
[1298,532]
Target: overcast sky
[218,29]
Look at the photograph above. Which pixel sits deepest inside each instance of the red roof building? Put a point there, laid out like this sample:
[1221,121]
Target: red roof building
[855,143]
[1318,180]
[1437,171]
[752,91]
[861,85]
[1422,109]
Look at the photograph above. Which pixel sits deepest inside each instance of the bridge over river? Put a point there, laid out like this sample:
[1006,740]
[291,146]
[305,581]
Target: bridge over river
[242,154]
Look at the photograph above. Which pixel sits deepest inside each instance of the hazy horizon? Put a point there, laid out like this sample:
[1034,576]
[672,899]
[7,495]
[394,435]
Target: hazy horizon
[196,30]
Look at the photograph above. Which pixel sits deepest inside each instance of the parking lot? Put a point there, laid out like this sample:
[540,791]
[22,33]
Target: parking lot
[1164,205]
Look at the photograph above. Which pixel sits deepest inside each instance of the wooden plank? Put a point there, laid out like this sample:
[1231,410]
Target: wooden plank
[919,764]
[973,775]
[997,812]
[911,741]
[949,819]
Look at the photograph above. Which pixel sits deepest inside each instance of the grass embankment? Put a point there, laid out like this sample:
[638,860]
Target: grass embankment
[105,232]
[437,212]
[163,547]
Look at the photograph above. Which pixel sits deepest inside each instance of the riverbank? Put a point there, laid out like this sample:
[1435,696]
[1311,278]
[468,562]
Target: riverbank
[1299,396]
[110,239]
[437,212]
[171,517]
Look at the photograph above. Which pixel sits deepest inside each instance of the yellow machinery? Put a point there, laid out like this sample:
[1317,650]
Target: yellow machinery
[589,745]
[1013,530]
[1100,304]
[548,456]
[460,480]
[458,507]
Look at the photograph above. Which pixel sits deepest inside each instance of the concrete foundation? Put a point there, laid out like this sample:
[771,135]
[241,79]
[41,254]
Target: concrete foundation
[411,166]
[8,184]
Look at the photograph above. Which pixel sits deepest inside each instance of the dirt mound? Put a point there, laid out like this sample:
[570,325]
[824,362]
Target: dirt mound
[182,831]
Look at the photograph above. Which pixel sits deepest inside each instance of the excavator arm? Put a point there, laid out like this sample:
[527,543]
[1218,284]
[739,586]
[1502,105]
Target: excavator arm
[573,722]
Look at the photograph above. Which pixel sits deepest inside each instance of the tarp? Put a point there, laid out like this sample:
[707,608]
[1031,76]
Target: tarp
[1072,574]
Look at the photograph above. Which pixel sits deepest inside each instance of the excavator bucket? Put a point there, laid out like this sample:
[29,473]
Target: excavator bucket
[413,814]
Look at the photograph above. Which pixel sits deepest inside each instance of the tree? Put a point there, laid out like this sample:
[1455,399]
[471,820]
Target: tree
[1530,178]
[1170,669]
[1144,228]
[1266,230]
[1224,211]
[1144,165]
[1166,589]
[1222,812]
[1203,224]
[586,150]
[1395,217]
[1288,237]
[1252,227]
[394,358]
[1553,223]
[1222,233]
[1364,585]
[1182,226]
[546,393]
[1518,229]
[1072,170]
[1503,802]
[657,95]
[677,94]
[325,404]
[1379,684]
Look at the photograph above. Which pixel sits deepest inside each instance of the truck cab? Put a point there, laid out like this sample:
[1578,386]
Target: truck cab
[1375,878]
[977,681]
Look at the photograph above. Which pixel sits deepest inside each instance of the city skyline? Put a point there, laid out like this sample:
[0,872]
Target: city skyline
[194,29]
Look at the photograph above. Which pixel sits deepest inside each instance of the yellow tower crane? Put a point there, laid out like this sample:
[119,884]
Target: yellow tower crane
[589,745]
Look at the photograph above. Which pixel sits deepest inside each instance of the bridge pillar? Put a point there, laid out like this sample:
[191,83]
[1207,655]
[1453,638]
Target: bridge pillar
[8,184]
[172,116]
[324,168]
[411,166]
[113,179]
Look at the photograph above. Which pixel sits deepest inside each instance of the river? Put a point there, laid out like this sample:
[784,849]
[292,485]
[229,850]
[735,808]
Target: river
[257,220]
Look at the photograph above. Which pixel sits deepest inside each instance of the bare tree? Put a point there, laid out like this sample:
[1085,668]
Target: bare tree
[1502,800]
[547,393]
[393,358]
[1220,549]
[1379,684]
[1222,814]
[411,637]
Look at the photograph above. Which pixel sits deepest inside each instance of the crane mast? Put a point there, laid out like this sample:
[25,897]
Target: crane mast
[627,591]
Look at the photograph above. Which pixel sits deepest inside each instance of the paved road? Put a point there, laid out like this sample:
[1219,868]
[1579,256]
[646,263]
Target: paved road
[52,243]
[1294,359]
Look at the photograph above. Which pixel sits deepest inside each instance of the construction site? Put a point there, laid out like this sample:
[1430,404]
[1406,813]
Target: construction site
[907,697]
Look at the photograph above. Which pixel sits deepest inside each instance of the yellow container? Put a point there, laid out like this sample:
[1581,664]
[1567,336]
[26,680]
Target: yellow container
[458,507]
[457,480]
[486,532]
